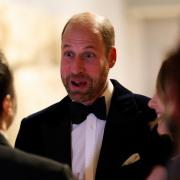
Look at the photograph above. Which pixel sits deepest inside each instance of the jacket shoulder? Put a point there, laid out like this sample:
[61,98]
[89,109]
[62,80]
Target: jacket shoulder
[128,100]
[49,113]
[29,166]
[142,104]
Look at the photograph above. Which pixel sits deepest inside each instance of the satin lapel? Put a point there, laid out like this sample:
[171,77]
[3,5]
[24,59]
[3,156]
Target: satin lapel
[121,107]
[58,139]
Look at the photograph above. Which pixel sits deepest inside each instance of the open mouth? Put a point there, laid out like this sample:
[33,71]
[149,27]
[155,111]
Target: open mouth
[78,83]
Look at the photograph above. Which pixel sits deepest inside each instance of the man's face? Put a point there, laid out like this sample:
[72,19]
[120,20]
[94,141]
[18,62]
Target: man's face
[84,66]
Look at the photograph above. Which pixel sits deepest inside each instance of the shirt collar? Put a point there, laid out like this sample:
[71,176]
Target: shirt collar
[108,94]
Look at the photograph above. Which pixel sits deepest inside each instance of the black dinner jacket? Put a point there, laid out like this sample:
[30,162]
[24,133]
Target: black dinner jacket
[127,132]
[18,165]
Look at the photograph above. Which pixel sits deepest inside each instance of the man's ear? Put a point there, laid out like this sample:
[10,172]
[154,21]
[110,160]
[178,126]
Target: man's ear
[7,104]
[112,57]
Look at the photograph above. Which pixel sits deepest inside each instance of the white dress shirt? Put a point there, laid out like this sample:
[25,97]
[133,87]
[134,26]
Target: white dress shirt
[86,142]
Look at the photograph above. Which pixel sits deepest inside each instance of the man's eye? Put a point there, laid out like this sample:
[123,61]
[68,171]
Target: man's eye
[68,54]
[89,55]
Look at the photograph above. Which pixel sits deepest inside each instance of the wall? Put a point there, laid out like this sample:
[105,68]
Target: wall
[153,30]
[140,26]
[36,70]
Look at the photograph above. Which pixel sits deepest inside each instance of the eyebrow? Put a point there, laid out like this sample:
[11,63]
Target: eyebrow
[90,47]
[65,46]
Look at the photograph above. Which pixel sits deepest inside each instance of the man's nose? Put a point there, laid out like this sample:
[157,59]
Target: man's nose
[77,65]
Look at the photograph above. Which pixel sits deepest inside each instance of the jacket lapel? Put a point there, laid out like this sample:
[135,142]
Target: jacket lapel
[59,135]
[117,126]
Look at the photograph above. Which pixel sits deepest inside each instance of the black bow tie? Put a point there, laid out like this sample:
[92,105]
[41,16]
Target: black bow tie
[79,111]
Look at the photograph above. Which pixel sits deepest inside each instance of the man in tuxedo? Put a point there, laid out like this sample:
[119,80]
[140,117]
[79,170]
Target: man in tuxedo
[16,164]
[102,129]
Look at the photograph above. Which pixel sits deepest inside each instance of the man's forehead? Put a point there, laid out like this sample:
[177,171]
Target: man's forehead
[81,34]
[91,27]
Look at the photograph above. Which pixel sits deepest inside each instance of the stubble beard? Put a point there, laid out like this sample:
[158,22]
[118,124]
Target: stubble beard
[94,90]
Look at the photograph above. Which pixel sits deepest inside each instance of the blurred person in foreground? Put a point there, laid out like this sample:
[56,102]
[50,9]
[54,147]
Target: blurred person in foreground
[101,129]
[166,103]
[16,164]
